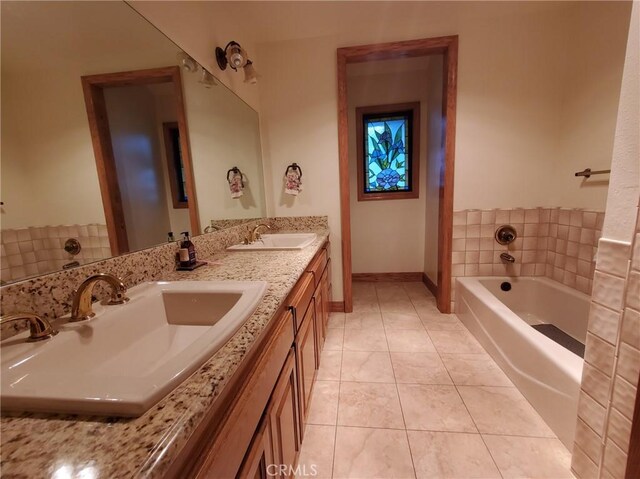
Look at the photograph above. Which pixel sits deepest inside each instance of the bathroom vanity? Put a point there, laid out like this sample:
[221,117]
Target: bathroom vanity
[244,409]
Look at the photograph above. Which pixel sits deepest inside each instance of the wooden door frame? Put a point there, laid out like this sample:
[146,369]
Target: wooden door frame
[93,87]
[447,46]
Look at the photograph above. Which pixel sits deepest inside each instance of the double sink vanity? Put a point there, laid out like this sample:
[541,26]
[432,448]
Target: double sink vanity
[205,373]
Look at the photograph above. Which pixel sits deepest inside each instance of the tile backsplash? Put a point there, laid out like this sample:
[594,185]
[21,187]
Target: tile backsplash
[558,243]
[32,251]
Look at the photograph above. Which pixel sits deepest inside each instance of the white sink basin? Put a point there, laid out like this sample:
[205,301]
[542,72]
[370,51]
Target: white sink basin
[128,356]
[278,241]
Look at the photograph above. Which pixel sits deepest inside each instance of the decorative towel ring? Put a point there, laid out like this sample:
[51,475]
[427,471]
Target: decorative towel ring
[236,171]
[293,166]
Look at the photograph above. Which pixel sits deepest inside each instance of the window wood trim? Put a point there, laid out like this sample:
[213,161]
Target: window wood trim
[171,164]
[413,172]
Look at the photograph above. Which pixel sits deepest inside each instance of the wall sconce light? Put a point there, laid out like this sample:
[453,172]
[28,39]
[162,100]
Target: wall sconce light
[207,79]
[236,57]
[188,63]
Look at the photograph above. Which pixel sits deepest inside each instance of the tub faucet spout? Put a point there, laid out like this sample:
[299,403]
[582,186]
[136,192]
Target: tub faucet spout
[507,258]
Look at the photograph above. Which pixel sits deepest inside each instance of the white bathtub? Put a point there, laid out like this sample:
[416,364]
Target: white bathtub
[546,373]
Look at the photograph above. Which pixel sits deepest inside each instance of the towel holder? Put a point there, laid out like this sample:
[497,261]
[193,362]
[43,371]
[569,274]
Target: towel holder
[293,166]
[236,171]
[587,172]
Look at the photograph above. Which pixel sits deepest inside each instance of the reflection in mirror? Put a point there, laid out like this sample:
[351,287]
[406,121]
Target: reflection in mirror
[52,186]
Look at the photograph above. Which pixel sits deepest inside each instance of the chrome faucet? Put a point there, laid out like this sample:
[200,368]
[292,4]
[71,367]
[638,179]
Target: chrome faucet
[39,327]
[255,235]
[507,257]
[81,307]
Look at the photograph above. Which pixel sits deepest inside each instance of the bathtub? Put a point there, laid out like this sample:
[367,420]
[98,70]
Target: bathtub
[546,373]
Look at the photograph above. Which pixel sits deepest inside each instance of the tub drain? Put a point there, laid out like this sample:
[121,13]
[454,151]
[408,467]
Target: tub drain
[506,286]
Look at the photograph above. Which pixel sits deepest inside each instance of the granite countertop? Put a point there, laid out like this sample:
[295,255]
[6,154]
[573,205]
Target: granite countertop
[46,445]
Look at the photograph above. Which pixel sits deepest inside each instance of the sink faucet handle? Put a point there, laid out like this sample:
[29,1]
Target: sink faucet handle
[255,234]
[39,327]
[82,297]
[119,291]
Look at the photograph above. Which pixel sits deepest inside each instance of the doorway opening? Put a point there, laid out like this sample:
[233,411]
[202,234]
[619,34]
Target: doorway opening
[447,47]
[118,147]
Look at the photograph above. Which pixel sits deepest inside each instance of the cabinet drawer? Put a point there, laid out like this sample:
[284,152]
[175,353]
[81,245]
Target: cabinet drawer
[300,298]
[317,265]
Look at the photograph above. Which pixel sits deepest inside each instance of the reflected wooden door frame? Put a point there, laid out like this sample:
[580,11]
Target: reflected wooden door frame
[93,87]
[447,46]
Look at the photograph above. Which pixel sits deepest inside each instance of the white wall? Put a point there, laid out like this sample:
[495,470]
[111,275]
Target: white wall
[508,120]
[435,160]
[593,59]
[165,111]
[136,150]
[200,27]
[45,134]
[224,132]
[44,116]
[619,222]
[387,235]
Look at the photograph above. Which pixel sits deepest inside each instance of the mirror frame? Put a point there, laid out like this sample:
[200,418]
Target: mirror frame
[93,87]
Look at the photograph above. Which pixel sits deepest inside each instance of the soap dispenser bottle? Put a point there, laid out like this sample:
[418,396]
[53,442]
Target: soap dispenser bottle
[187,251]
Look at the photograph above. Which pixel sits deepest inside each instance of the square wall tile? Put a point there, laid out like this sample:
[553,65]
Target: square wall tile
[592,413]
[596,384]
[600,354]
[633,291]
[619,429]
[615,460]
[613,257]
[631,328]
[588,441]
[474,217]
[582,466]
[604,322]
[608,290]
[628,366]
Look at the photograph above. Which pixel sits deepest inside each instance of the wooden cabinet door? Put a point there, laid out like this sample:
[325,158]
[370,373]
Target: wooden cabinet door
[258,463]
[318,323]
[284,417]
[326,295]
[306,362]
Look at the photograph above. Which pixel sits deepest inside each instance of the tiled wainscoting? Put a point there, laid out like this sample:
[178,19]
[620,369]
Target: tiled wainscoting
[558,243]
[38,250]
[612,363]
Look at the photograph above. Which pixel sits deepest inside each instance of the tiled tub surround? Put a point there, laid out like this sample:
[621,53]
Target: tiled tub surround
[32,251]
[35,445]
[612,363]
[558,243]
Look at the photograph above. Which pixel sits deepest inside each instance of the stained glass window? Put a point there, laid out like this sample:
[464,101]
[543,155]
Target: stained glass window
[386,154]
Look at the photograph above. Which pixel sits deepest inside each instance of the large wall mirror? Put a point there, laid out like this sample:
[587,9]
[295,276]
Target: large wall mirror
[111,138]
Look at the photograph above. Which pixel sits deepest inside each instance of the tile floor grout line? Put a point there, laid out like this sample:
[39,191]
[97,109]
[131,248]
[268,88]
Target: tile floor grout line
[440,354]
[335,435]
[467,409]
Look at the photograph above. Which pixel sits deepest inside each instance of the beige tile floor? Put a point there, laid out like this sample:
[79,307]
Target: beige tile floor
[404,391]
